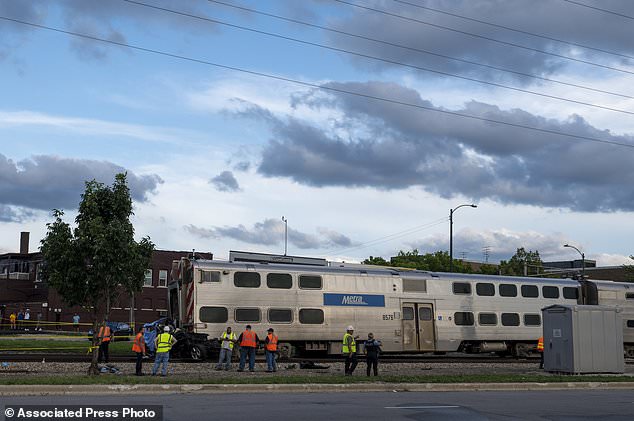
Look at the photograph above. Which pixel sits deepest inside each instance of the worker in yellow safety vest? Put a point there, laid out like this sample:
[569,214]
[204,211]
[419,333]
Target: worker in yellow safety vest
[270,350]
[228,339]
[138,346]
[540,349]
[349,350]
[164,343]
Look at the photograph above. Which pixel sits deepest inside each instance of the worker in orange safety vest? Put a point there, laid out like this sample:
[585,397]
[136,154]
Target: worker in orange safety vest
[138,346]
[105,334]
[270,350]
[540,349]
[248,341]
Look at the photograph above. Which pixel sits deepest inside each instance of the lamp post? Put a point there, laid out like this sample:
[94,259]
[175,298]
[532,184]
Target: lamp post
[583,260]
[451,211]
[285,234]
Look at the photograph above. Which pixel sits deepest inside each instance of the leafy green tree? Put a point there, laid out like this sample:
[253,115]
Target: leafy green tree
[378,261]
[487,269]
[93,263]
[522,262]
[435,262]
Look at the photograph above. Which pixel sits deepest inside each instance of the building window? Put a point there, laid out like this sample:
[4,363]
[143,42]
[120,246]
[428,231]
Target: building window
[280,315]
[550,292]
[510,319]
[148,278]
[485,290]
[246,279]
[279,280]
[570,293]
[530,291]
[210,276]
[487,319]
[162,278]
[508,290]
[461,288]
[311,316]
[247,314]
[310,282]
[463,318]
[532,320]
[213,314]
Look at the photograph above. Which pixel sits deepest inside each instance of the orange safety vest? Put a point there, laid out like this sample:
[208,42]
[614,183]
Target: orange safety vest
[272,344]
[540,344]
[139,343]
[248,339]
[104,333]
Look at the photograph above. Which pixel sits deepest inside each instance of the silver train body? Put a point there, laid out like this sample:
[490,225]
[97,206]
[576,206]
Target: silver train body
[409,311]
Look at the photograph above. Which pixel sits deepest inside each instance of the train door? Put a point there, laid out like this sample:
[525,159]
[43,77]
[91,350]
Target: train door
[418,327]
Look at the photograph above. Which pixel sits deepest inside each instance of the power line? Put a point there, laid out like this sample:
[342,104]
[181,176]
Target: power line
[600,9]
[398,63]
[320,87]
[511,44]
[418,50]
[508,28]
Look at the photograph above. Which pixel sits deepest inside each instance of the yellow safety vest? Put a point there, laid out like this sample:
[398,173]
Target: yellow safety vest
[353,345]
[230,336]
[164,342]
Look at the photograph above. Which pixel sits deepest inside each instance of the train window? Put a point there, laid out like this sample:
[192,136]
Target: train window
[279,280]
[461,288]
[311,316]
[570,293]
[508,290]
[280,315]
[209,276]
[247,314]
[310,281]
[246,279]
[532,320]
[487,319]
[486,290]
[213,314]
[510,319]
[630,323]
[408,313]
[550,292]
[463,318]
[629,295]
[530,291]
[414,285]
[424,313]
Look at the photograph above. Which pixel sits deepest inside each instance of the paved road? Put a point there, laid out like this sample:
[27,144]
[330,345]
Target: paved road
[551,405]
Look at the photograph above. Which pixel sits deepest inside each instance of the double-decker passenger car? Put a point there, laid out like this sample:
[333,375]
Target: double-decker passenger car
[310,303]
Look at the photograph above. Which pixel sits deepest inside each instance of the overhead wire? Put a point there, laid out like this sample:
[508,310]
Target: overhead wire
[578,3]
[394,62]
[418,50]
[317,86]
[471,34]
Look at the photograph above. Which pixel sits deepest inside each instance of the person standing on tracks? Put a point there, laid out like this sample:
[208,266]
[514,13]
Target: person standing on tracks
[349,349]
[270,350]
[226,349]
[248,341]
[105,334]
[372,349]
[164,343]
[138,346]
[540,349]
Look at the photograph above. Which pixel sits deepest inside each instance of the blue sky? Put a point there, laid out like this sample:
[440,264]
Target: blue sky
[216,157]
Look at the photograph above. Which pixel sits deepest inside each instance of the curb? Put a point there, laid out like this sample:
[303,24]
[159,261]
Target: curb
[149,389]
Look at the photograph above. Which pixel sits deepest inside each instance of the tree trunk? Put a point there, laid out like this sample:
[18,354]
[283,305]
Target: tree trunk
[93,370]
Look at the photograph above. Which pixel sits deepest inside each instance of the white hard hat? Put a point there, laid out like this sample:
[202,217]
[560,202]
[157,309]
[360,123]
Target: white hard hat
[166,329]
[350,327]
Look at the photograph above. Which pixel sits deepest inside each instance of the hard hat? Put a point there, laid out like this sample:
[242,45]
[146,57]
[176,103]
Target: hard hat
[166,329]
[350,327]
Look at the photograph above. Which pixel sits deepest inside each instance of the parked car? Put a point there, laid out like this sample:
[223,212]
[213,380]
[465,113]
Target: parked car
[121,331]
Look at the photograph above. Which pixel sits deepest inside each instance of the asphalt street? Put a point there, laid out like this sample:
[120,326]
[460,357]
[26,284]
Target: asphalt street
[547,405]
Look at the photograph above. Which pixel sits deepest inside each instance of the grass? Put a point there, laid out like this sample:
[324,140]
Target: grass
[57,346]
[110,379]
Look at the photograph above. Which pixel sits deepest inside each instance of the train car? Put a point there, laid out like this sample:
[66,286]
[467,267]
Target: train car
[310,304]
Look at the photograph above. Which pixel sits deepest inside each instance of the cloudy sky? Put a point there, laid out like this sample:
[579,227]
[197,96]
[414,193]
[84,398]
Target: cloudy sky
[361,122]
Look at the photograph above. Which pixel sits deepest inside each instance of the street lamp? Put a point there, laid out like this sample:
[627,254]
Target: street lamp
[285,234]
[451,211]
[583,260]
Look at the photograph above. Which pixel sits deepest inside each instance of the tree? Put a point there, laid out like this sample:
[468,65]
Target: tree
[629,271]
[378,261]
[435,262]
[93,263]
[522,263]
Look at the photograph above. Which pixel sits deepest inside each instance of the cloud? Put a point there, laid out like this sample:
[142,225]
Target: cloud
[225,181]
[386,146]
[47,182]
[242,166]
[14,214]
[271,232]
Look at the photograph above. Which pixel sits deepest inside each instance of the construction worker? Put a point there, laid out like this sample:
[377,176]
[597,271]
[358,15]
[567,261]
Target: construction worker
[138,346]
[248,341]
[540,349]
[164,343]
[105,334]
[349,350]
[270,350]
[226,349]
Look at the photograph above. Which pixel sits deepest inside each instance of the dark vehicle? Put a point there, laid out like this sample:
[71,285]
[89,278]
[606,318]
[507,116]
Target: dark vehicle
[120,331]
[194,346]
